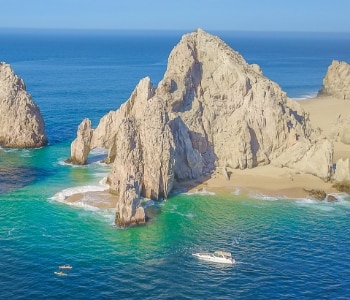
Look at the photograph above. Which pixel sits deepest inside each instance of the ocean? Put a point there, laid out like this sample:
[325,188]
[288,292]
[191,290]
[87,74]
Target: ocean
[284,248]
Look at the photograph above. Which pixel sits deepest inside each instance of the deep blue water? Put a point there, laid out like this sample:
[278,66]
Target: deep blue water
[285,249]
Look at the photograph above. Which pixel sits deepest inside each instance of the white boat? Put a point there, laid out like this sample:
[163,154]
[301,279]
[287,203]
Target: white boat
[65,267]
[60,273]
[218,257]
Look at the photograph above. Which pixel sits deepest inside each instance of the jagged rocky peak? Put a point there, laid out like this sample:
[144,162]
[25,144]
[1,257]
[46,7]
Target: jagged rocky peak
[211,109]
[233,115]
[337,80]
[21,123]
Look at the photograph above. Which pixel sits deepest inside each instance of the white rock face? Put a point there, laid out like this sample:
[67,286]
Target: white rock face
[342,171]
[211,109]
[337,80]
[80,148]
[341,128]
[21,124]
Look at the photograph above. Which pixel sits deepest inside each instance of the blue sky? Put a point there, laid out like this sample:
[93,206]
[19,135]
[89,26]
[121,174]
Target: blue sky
[255,15]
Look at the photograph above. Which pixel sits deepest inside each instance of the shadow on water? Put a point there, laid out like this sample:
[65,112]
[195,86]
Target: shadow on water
[13,178]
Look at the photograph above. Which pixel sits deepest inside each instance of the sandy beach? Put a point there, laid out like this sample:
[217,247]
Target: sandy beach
[261,181]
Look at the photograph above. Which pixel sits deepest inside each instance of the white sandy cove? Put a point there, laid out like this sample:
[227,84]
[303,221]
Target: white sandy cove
[88,196]
[265,180]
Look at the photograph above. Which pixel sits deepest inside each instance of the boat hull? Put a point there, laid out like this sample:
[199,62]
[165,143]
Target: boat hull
[211,258]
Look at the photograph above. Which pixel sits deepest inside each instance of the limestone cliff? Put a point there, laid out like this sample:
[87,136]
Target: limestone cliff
[21,124]
[337,80]
[211,109]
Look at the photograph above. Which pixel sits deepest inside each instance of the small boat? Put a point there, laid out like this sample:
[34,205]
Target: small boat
[65,267]
[60,273]
[218,256]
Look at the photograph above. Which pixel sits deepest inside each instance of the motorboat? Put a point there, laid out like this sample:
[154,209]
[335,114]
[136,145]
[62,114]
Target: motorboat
[218,256]
[60,273]
[65,267]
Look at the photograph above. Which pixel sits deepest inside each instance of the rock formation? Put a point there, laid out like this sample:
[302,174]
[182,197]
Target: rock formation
[21,124]
[336,83]
[337,80]
[211,109]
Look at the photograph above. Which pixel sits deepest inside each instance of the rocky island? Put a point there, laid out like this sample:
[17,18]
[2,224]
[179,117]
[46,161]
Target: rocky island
[21,123]
[213,116]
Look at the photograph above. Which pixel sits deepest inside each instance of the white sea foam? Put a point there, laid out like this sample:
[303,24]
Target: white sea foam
[200,192]
[62,162]
[236,192]
[186,215]
[64,194]
[9,149]
[87,202]
[26,153]
[306,201]
[342,201]
[306,96]
[147,202]
[103,182]
[265,197]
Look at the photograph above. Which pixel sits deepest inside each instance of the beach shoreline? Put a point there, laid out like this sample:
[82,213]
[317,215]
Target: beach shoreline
[268,180]
[264,181]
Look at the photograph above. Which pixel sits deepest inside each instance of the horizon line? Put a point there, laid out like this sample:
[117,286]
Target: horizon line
[165,30]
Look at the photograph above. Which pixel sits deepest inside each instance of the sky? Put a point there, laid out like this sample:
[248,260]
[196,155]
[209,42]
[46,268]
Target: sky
[236,15]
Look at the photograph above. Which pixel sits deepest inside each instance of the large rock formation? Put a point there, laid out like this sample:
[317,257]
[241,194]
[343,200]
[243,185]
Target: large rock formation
[21,124]
[337,80]
[211,109]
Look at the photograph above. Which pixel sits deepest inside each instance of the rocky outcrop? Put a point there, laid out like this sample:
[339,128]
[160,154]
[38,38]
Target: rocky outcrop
[211,110]
[337,80]
[21,124]
[144,161]
[81,145]
[316,194]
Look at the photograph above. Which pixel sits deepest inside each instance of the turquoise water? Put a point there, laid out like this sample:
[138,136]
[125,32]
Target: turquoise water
[284,249]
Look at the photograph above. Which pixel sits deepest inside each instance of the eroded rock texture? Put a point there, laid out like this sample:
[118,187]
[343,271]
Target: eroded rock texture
[337,80]
[21,123]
